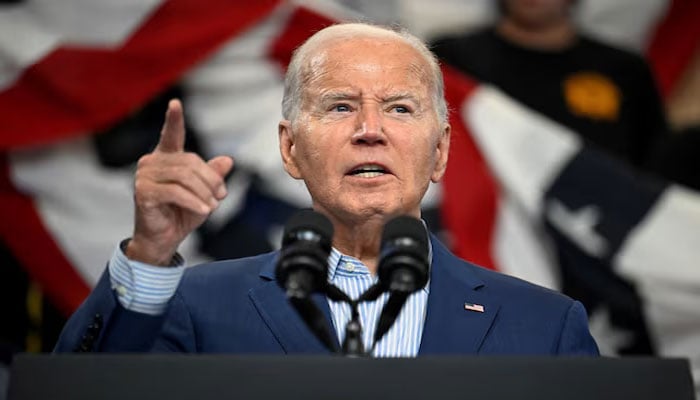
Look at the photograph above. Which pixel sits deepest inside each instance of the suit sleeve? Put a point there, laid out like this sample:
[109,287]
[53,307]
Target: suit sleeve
[102,324]
[575,338]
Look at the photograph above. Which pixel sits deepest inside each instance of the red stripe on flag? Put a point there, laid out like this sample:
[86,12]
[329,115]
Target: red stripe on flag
[33,246]
[470,193]
[77,90]
[674,43]
[301,25]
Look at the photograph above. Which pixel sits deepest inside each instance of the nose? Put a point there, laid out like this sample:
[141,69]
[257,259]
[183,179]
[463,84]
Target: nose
[369,129]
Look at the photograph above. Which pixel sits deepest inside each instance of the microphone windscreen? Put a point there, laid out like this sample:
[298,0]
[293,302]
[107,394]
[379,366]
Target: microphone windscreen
[308,220]
[403,267]
[407,227]
[404,255]
[302,268]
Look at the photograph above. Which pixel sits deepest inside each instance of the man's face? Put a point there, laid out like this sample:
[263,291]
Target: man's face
[537,14]
[367,141]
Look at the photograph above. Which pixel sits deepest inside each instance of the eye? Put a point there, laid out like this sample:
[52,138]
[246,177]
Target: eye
[400,109]
[341,108]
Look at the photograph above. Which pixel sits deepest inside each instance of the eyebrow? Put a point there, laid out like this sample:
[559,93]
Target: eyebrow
[330,97]
[345,95]
[401,96]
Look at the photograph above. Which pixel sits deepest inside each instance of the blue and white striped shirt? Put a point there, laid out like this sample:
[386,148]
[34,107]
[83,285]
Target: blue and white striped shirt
[147,289]
[142,287]
[353,278]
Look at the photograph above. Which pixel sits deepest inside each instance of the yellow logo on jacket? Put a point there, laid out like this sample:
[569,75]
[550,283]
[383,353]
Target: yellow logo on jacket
[592,95]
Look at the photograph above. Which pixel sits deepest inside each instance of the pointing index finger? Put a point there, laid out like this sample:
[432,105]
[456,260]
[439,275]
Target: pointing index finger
[172,136]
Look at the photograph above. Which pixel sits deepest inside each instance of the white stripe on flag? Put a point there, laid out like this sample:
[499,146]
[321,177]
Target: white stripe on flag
[525,150]
[662,257]
[233,100]
[94,23]
[31,30]
[86,207]
[521,248]
[23,41]
[625,23]
[665,246]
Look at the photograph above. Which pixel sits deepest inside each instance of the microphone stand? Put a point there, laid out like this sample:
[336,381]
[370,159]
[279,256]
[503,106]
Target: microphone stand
[353,345]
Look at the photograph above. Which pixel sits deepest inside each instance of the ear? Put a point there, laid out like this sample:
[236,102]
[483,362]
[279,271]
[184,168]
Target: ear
[287,149]
[442,151]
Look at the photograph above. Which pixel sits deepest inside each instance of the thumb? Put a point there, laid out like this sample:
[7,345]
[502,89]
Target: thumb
[221,164]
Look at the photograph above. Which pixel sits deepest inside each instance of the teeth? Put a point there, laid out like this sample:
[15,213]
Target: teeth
[369,174]
[375,170]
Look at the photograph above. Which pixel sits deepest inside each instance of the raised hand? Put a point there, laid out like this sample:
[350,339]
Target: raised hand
[174,192]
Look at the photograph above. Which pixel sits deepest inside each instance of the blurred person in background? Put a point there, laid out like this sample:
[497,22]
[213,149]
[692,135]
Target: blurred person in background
[535,54]
[678,159]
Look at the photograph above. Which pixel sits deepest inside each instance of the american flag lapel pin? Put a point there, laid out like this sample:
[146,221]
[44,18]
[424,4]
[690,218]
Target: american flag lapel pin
[474,307]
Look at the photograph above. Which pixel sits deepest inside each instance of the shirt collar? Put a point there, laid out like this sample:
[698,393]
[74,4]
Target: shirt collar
[336,258]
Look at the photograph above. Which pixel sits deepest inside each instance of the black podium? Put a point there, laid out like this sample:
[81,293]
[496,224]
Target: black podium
[102,376]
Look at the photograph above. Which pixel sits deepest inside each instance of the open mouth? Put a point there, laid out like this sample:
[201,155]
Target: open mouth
[368,171]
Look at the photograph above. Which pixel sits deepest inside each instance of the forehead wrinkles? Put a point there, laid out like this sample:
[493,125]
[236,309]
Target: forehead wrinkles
[322,67]
[315,69]
[422,72]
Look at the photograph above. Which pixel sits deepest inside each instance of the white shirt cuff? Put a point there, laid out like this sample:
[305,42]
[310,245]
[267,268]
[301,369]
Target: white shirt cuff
[142,287]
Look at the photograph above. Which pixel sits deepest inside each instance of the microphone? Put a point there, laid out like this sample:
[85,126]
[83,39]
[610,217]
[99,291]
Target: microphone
[403,266]
[302,267]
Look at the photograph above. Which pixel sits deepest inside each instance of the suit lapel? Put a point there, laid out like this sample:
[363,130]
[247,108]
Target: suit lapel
[282,319]
[449,326]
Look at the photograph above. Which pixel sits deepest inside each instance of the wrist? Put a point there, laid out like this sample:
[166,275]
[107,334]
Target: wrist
[148,253]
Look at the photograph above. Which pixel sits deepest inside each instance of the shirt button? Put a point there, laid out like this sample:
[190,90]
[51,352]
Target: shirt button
[121,290]
[350,267]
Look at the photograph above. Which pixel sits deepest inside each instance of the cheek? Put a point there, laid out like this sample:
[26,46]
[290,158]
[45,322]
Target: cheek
[426,162]
[310,155]
[428,153]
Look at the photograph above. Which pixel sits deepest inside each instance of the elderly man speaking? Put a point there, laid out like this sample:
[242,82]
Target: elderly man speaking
[365,127]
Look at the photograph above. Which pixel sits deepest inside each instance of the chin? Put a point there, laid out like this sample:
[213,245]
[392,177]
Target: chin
[366,210]
[384,210]
[362,206]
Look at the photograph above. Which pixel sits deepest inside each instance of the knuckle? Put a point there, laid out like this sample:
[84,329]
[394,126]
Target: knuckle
[191,158]
[144,161]
[181,172]
[139,186]
[144,199]
[149,203]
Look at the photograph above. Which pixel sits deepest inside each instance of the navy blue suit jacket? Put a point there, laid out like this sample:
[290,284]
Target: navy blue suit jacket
[237,307]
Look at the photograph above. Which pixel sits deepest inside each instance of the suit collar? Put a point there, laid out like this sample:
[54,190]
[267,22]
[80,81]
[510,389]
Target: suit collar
[267,272]
[282,319]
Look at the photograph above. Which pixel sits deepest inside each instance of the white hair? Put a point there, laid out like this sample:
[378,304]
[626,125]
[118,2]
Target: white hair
[301,66]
